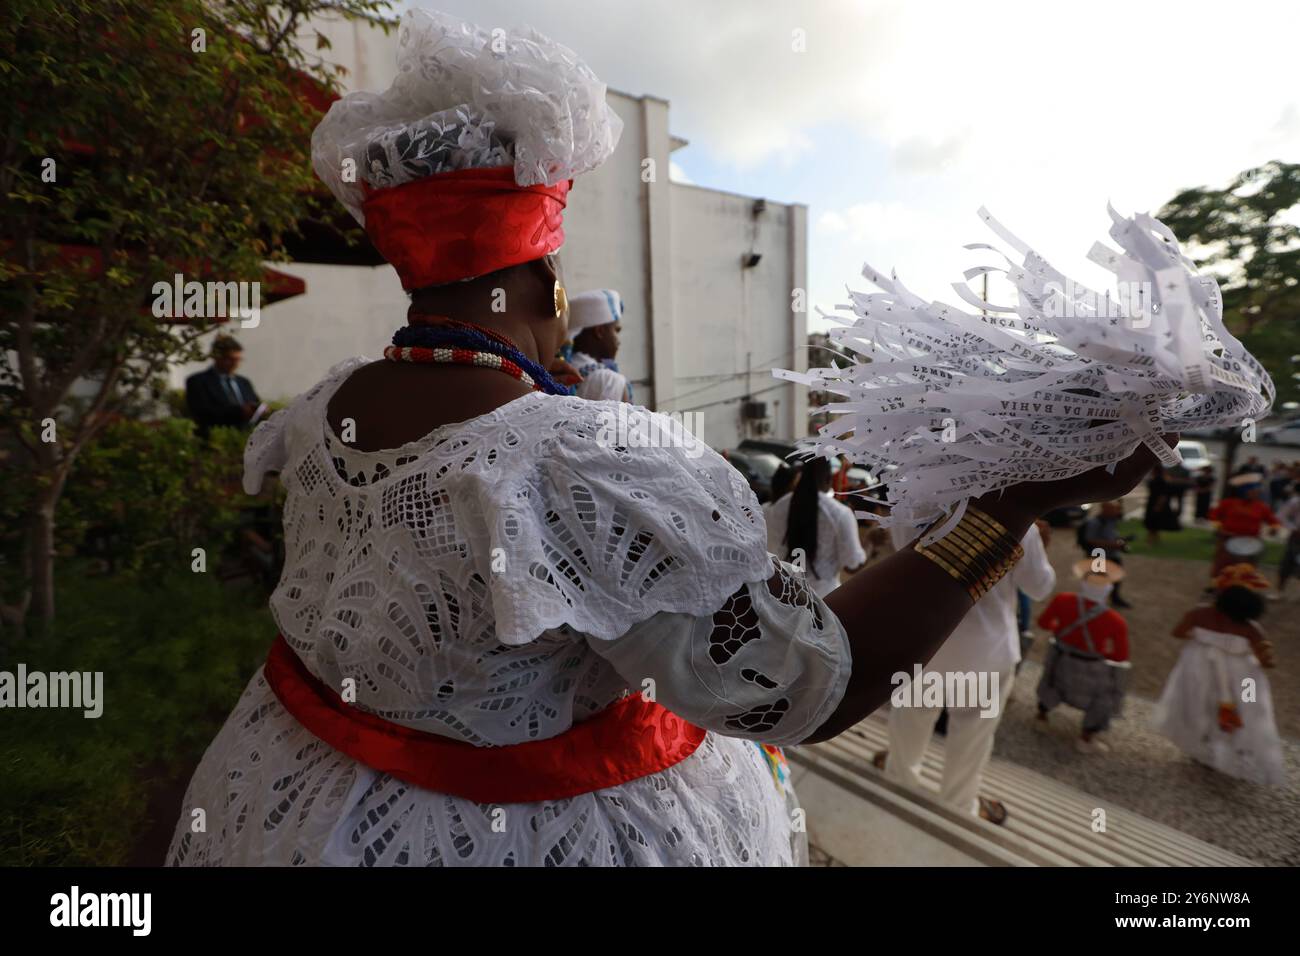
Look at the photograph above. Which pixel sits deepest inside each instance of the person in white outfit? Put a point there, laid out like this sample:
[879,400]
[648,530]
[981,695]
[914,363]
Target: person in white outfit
[987,642]
[505,640]
[814,531]
[594,325]
[1217,704]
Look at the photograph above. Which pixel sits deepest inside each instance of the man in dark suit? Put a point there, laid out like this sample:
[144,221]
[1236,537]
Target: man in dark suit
[217,396]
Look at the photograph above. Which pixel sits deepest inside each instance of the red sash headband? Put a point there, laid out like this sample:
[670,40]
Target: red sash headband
[631,738]
[464,223]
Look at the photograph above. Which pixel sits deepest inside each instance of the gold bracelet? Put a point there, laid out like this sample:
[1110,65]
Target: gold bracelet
[995,527]
[985,549]
[957,575]
[994,550]
[977,552]
[980,564]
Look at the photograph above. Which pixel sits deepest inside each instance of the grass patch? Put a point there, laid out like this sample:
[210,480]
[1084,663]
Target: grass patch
[1190,544]
[175,656]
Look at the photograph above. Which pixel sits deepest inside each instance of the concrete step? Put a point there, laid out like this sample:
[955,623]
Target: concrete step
[1048,824]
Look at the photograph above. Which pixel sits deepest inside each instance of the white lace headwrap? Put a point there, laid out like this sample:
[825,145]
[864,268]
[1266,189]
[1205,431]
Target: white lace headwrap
[948,404]
[466,97]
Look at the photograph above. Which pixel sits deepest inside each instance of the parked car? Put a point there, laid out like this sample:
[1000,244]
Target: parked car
[787,452]
[1212,433]
[1066,517]
[1287,433]
[783,448]
[1195,457]
[757,467]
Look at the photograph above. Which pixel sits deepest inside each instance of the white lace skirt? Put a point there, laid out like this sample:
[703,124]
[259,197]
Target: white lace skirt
[1188,710]
[268,793]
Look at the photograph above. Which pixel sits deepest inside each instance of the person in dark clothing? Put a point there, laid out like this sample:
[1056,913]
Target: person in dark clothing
[1280,485]
[217,396]
[1251,467]
[1164,501]
[1102,533]
[1204,492]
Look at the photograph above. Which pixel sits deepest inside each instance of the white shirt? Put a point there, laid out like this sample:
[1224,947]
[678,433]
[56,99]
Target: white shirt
[988,638]
[599,382]
[838,545]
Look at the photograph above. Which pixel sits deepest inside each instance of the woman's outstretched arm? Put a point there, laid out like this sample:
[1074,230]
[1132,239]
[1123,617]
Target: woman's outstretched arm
[897,613]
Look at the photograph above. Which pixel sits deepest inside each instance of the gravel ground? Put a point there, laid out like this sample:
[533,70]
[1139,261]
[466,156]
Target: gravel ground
[1161,591]
[1147,774]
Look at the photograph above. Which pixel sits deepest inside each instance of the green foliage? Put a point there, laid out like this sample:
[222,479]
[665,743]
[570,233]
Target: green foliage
[1245,235]
[140,140]
[175,658]
[143,495]
[1190,544]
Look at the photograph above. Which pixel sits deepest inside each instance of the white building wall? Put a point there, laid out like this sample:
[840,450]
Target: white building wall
[693,317]
[734,324]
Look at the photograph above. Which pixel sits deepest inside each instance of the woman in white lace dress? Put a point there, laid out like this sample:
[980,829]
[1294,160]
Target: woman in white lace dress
[1217,705]
[485,573]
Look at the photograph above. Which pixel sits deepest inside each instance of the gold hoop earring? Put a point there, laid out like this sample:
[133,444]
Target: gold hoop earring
[561,300]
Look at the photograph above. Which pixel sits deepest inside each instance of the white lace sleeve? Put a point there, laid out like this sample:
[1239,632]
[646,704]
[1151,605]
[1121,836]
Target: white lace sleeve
[763,667]
[600,536]
[266,451]
[270,445]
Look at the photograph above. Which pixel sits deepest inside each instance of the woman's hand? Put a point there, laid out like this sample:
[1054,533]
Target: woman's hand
[1021,504]
[898,611]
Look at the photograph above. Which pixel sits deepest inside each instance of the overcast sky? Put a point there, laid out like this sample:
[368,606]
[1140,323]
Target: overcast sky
[898,120]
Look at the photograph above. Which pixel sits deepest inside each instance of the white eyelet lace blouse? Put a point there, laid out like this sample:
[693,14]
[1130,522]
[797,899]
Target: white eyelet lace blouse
[496,582]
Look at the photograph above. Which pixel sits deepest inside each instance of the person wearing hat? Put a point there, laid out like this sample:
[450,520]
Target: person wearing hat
[505,641]
[1100,533]
[1242,516]
[594,325]
[1087,659]
[1217,705]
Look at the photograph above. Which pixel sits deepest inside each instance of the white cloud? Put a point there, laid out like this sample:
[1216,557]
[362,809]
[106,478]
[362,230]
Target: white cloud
[1043,111]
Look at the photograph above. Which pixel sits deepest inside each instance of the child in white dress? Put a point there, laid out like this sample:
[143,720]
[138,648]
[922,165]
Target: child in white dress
[1217,705]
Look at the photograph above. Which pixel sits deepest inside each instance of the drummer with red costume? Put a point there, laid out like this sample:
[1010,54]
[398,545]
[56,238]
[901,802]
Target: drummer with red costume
[1241,516]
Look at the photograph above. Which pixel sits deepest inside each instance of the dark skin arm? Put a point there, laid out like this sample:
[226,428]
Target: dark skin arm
[889,630]
[392,403]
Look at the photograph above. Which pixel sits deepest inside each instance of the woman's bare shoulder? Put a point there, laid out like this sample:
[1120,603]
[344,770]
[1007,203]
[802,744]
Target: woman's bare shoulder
[393,403]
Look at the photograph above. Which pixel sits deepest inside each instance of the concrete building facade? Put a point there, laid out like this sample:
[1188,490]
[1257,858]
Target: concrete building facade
[708,279]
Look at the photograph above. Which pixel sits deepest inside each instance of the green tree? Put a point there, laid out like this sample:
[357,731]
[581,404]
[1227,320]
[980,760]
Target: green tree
[1241,235]
[140,140]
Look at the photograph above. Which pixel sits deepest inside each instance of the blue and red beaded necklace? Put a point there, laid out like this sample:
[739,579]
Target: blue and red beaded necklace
[438,339]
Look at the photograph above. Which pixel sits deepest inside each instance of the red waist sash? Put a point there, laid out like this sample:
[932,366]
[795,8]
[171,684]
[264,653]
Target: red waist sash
[631,738]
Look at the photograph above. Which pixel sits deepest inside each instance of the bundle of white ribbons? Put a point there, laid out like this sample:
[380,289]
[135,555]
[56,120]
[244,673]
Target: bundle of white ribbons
[947,404]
